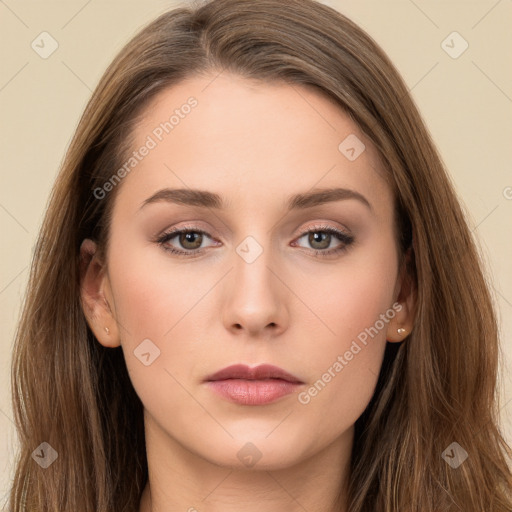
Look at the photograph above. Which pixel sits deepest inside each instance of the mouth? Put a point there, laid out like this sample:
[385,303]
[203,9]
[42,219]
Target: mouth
[260,385]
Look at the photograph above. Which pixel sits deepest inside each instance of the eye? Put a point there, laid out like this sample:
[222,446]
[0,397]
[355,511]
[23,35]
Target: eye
[190,240]
[320,238]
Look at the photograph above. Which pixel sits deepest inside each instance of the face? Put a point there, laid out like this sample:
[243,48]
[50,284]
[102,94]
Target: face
[196,283]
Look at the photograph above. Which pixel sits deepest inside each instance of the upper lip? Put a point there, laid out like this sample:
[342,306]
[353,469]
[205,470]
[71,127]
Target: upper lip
[263,371]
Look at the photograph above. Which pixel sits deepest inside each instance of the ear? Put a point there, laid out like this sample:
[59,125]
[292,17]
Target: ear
[95,295]
[400,326]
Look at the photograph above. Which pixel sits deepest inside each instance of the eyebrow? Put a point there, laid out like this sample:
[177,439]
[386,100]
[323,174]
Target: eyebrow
[205,199]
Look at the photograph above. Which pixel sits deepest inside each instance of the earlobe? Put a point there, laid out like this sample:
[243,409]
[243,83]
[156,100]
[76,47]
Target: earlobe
[93,283]
[396,335]
[402,324]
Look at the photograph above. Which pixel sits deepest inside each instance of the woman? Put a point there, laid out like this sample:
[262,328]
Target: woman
[254,287]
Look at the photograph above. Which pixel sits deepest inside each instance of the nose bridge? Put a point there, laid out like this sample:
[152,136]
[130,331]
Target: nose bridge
[252,262]
[254,300]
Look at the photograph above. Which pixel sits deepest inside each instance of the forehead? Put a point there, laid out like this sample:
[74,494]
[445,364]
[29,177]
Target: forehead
[251,140]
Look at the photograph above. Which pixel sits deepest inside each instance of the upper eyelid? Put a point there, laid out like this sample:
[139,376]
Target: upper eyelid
[197,229]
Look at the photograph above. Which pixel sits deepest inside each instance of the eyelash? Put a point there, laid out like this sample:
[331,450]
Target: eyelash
[340,235]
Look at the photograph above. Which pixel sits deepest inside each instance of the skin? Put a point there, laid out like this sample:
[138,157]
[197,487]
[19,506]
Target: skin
[255,144]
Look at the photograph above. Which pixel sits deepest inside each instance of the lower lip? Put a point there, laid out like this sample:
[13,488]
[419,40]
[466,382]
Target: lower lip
[253,392]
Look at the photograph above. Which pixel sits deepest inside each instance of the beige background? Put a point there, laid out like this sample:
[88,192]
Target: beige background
[466,102]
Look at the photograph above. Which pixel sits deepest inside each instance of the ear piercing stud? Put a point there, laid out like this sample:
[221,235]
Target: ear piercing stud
[400,330]
[107,330]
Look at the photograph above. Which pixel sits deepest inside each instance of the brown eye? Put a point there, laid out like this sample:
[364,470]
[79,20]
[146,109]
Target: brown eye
[190,239]
[319,239]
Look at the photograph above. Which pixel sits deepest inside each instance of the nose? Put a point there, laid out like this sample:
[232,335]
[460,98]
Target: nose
[254,301]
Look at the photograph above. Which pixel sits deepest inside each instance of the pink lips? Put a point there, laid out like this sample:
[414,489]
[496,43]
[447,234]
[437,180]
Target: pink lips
[253,386]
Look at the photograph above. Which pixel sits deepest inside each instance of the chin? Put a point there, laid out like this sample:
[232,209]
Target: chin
[259,451]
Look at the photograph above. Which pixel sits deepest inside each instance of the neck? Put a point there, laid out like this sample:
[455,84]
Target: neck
[180,480]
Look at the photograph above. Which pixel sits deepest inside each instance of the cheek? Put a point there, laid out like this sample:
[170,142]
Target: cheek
[168,303]
[152,294]
[351,295]
[158,312]
[354,304]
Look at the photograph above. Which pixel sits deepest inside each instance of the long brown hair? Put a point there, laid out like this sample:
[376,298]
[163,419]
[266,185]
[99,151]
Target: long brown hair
[438,387]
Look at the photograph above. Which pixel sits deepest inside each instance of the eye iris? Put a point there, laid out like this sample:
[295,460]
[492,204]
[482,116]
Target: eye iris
[188,236]
[315,235]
